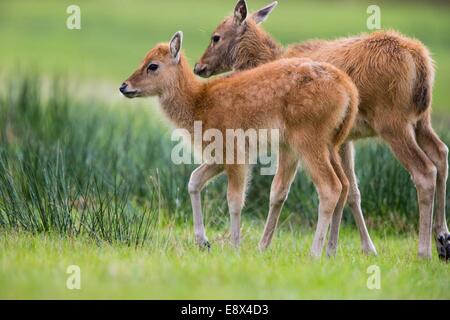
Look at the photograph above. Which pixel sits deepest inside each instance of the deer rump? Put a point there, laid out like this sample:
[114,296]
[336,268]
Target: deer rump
[387,67]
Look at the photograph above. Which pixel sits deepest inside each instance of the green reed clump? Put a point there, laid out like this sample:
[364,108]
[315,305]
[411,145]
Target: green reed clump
[63,169]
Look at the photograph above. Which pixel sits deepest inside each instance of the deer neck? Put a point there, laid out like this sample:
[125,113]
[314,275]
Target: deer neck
[180,99]
[256,47]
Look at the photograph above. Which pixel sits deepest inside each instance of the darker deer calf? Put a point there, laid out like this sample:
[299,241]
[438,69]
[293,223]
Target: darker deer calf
[394,76]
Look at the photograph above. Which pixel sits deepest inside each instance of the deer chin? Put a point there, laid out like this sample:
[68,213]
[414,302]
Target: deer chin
[131,94]
[211,72]
[206,74]
[203,72]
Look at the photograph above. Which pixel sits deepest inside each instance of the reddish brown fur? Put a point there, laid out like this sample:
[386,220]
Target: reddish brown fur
[290,92]
[387,68]
[312,104]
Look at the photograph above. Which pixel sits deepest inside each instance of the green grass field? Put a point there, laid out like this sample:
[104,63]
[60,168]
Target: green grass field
[86,177]
[172,268]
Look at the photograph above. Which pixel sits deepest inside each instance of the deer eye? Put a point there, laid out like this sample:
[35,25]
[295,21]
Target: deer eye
[215,39]
[152,67]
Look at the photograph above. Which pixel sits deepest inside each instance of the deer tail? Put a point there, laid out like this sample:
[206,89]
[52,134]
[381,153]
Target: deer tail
[422,89]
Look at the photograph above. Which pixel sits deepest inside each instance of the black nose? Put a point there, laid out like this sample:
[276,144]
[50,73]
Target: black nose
[200,69]
[123,87]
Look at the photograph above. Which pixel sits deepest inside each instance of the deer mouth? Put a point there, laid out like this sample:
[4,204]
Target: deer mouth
[202,70]
[205,74]
[131,94]
[127,92]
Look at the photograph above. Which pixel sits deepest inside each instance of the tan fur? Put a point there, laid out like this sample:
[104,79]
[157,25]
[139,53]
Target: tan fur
[394,76]
[312,104]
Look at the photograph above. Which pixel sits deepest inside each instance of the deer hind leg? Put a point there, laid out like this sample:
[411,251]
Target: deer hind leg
[437,152]
[337,215]
[287,168]
[329,187]
[403,143]
[353,200]
[199,178]
[237,181]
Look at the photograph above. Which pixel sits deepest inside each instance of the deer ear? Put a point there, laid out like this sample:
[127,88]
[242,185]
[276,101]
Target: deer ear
[175,46]
[240,12]
[262,14]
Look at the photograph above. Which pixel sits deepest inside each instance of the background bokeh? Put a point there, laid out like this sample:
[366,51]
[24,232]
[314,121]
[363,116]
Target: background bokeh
[116,34]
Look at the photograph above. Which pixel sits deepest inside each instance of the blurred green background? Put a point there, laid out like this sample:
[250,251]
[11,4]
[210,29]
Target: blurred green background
[115,35]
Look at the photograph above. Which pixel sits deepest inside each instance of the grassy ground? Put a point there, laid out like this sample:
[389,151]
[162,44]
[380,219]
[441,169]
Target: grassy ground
[35,267]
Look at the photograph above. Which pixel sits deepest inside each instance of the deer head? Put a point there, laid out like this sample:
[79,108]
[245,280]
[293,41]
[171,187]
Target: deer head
[221,54]
[158,71]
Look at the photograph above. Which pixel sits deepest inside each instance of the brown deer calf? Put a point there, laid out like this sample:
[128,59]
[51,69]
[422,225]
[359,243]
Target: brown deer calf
[313,105]
[394,75]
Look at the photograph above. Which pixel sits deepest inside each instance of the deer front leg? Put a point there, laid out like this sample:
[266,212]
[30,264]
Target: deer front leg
[237,180]
[199,178]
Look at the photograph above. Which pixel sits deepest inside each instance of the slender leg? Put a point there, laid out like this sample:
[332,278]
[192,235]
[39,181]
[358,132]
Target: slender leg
[403,143]
[437,152]
[329,188]
[354,198]
[337,215]
[199,178]
[281,183]
[237,180]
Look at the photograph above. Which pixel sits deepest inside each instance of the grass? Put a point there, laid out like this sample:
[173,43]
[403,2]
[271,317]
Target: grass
[173,268]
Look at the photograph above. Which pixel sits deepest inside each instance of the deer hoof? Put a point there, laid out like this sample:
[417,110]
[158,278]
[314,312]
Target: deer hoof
[204,245]
[207,246]
[443,246]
